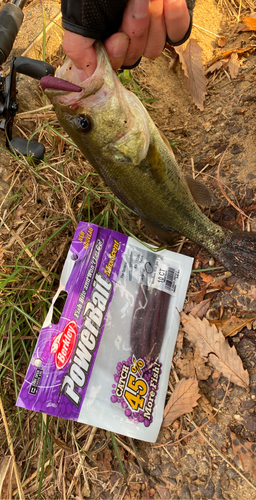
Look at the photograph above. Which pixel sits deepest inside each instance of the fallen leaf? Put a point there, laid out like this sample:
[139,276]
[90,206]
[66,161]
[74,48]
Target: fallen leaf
[216,65]
[238,51]
[222,41]
[163,492]
[252,292]
[234,65]
[199,310]
[180,52]
[250,22]
[231,326]
[206,278]
[192,65]
[191,365]
[214,348]
[199,297]
[206,406]
[6,472]
[182,401]
[246,451]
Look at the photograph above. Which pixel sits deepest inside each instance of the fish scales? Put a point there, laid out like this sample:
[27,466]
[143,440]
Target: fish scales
[117,136]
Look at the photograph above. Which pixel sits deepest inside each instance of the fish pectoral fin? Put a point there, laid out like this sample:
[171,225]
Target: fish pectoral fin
[202,195]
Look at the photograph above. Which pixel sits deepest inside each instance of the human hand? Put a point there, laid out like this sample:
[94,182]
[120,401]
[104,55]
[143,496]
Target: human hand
[144,27]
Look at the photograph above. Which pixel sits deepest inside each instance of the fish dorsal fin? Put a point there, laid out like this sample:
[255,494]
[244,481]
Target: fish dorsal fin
[166,141]
[202,195]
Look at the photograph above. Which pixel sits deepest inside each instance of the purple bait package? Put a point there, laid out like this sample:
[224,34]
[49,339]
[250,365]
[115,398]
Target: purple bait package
[107,361]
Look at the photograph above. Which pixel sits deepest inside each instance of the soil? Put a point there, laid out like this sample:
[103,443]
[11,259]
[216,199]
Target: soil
[201,465]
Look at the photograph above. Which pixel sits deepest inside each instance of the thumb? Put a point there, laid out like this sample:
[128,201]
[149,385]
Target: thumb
[81,52]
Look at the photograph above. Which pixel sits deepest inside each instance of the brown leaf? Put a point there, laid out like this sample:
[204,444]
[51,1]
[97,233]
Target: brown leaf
[229,52]
[250,22]
[246,451]
[231,326]
[233,65]
[206,406]
[252,292]
[191,365]
[182,401]
[6,472]
[192,65]
[180,52]
[206,278]
[213,346]
[163,492]
[201,309]
[216,65]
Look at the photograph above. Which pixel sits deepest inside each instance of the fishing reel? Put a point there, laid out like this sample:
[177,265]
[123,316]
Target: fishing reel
[11,17]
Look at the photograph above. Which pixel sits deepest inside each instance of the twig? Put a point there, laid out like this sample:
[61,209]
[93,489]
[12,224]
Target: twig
[53,266]
[202,426]
[9,190]
[204,29]
[36,472]
[34,111]
[243,214]
[78,470]
[22,244]
[222,455]
[127,448]
[10,445]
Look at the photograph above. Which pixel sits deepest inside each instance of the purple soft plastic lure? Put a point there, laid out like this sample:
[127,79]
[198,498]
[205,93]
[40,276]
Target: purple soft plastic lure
[52,82]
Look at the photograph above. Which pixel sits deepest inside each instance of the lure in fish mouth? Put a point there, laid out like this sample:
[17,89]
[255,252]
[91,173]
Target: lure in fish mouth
[117,136]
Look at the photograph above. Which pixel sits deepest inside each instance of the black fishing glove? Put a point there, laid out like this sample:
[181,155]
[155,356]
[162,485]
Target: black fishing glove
[101,18]
[93,18]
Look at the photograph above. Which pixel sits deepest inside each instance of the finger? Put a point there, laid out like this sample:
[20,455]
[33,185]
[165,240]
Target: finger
[177,19]
[157,31]
[136,24]
[116,47]
[81,52]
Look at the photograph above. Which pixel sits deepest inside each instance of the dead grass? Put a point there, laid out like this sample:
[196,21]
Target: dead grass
[43,456]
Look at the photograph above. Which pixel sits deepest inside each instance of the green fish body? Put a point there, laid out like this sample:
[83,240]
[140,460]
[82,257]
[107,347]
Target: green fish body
[117,136]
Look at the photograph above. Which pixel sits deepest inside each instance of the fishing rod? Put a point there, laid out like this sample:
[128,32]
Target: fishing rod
[11,18]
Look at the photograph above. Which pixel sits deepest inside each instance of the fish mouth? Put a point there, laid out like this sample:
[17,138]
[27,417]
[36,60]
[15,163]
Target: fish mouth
[67,81]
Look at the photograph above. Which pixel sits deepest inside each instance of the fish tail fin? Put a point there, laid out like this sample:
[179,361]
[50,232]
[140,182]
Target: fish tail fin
[238,254]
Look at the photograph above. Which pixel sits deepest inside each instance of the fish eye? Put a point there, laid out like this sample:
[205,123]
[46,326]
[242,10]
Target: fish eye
[84,123]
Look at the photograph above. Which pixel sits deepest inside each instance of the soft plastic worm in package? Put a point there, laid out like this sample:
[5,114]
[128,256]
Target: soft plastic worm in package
[107,362]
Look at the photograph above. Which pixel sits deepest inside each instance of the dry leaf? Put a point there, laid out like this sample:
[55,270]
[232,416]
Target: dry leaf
[191,365]
[231,326]
[216,65]
[182,401]
[192,65]
[206,278]
[163,492]
[6,472]
[180,52]
[252,292]
[229,52]
[250,22]
[213,347]
[222,41]
[246,451]
[199,310]
[206,406]
[234,65]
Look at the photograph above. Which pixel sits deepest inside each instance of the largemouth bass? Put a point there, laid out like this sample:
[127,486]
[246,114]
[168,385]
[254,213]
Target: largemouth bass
[115,133]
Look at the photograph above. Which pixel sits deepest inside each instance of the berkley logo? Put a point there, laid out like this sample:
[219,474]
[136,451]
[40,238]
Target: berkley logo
[63,344]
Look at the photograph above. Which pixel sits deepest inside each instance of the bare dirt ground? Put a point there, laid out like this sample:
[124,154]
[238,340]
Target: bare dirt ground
[182,464]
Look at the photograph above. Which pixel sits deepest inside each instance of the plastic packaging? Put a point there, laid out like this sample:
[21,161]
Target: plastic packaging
[107,361]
